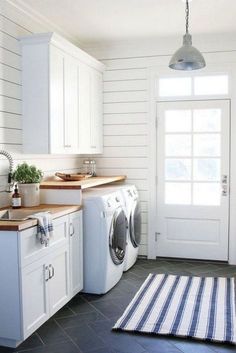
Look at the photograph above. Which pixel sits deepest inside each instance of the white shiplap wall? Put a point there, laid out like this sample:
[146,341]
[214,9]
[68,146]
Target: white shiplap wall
[125,130]
[11,105]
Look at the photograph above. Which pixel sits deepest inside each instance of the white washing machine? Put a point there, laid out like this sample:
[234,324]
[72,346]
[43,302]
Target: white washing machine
[105,227]
[133,214]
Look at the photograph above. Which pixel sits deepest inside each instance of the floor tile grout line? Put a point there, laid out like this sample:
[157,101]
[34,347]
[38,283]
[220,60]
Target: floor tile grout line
[31,348]
[64,331]
[98,311]
[64,317]
[40,338]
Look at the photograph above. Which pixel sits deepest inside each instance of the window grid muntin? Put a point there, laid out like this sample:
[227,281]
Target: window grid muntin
[192,157]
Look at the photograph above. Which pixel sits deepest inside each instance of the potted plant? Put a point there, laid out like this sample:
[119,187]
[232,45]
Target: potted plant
[28,178]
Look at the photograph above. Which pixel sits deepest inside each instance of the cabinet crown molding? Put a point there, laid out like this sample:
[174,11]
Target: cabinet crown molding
[63,44]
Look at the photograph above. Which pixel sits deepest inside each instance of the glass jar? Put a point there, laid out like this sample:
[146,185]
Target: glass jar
[93,167]
[89,167]
[86,166]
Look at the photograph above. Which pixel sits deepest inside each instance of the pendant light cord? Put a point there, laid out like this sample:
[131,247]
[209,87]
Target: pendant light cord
[187,15]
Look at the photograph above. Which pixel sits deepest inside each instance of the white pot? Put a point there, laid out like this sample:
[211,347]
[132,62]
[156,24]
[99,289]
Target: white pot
[29,194]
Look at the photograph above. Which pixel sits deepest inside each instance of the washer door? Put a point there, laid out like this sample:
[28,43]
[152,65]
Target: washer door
[117,238]
[135,225]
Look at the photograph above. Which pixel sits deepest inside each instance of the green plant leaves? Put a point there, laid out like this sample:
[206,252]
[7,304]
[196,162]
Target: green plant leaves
[27,174]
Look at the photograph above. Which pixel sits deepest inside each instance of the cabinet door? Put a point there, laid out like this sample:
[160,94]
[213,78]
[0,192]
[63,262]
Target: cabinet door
[90,110]
[71,119]
[96,117]
[58,283]
[56,100]
[76,253]
[64,114]
[84,108]
[35,298]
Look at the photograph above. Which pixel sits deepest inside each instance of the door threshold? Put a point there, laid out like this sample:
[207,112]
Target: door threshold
[178,259]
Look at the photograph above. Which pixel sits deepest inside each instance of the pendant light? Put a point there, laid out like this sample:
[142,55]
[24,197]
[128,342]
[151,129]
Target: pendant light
[187,57]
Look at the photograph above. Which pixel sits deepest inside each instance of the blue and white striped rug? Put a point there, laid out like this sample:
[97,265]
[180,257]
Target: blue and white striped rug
[197,307]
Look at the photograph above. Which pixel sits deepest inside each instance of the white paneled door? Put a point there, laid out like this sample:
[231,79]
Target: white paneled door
[193,179]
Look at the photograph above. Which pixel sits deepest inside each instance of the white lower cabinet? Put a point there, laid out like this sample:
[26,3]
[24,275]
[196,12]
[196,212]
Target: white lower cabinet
[46,284]
[35,296]
[76,252]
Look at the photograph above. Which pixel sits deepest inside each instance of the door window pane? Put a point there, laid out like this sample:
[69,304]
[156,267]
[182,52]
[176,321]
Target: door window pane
[206,169]
[178,120]
[209,85]
[178,169]
[178,193]
[207,120]
[177,87]
[208,194]
[178,145]
[206,145]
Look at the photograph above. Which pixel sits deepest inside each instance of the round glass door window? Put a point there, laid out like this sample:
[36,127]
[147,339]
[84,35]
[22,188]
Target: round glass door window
[135,225]
[117,239]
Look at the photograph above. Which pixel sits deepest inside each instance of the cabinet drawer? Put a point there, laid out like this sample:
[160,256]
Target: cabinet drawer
[30,247]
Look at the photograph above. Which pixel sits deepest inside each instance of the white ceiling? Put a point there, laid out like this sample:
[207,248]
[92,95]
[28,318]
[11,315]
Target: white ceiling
[108,20]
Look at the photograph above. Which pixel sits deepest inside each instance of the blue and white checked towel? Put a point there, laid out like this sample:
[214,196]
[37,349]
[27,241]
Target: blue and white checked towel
[45,226]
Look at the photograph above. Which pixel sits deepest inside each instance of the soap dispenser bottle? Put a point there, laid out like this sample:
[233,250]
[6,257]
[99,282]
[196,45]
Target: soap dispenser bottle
[16,198]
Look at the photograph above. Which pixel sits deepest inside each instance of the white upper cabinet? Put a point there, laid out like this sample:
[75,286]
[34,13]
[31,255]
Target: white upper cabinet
[64,100]
[90,111]
[62,97]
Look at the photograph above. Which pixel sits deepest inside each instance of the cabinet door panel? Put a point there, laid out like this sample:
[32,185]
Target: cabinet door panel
[31,248]
[59,281]
[96,124]
[71,120]
[56,121]
[60,232]
[76,253]
[90,110]
[34,296]
[84,108]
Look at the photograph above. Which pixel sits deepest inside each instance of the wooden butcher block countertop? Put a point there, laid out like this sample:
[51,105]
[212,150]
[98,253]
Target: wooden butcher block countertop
[83,184]
[55,210]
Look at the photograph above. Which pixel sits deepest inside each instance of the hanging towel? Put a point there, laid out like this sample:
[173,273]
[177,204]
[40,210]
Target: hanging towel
[45,226]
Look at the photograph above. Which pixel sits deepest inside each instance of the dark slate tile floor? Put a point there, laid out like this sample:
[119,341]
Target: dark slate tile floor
[84,324]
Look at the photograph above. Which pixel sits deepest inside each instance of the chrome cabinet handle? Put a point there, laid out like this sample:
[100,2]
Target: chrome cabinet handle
[72,230]
[51,271]
[47,274]
[67,146]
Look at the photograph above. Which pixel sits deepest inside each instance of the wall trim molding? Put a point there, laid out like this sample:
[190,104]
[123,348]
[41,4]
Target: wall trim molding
[30,15]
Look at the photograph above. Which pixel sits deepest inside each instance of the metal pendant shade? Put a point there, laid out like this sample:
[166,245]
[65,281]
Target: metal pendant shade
[187,57]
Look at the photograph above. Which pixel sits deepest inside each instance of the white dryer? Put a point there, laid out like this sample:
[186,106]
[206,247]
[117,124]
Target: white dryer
[105,226]
[133,214]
